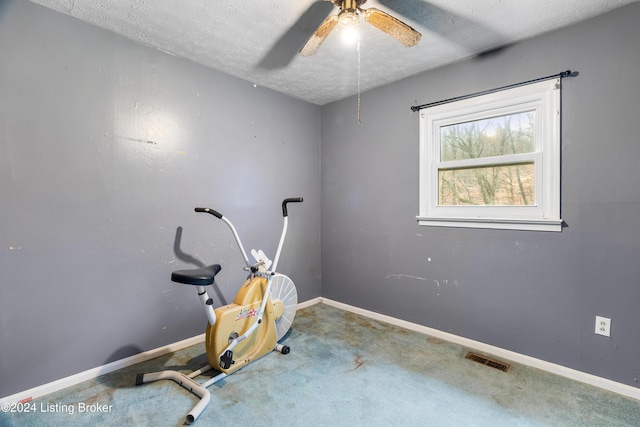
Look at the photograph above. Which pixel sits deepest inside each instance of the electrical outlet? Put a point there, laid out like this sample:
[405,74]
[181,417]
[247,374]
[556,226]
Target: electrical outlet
[603,326]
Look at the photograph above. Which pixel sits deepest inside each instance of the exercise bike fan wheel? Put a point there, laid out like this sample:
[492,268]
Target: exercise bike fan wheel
[284,297]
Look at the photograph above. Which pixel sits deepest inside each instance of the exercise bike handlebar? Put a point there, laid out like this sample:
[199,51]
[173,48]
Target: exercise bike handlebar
[231,227]
[290,200]
[210,211]
[237,237]
[284,207]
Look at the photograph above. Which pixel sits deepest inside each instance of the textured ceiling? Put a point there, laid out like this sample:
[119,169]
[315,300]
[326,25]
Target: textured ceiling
[258,40]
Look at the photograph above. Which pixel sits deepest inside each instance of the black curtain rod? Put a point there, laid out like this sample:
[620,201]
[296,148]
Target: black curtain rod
[567,73]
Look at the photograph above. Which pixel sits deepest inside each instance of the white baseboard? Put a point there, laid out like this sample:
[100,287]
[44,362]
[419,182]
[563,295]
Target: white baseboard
[36,392]
[42,390]
[553,368]
[622,389]
[309,303]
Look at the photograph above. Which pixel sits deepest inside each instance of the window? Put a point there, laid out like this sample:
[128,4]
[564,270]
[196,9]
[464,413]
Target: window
[493,161]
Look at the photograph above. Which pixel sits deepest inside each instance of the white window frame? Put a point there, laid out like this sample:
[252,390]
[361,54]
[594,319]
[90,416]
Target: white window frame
[544,215]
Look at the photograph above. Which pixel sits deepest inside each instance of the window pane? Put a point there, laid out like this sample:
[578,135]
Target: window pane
[496,136]
[507,185]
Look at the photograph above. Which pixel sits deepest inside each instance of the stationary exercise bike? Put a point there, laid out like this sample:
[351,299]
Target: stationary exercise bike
[245,330]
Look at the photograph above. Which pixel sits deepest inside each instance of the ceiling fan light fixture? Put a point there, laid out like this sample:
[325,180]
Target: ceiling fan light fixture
[350,34]
[348,18]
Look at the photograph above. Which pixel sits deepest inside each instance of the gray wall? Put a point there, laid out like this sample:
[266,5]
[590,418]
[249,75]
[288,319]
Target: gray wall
[535,293]
[106,147]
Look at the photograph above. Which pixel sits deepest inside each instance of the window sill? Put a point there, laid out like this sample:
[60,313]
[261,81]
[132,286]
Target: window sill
[494,223]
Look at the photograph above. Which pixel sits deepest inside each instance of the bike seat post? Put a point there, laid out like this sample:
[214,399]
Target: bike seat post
[200,277]
[207,303]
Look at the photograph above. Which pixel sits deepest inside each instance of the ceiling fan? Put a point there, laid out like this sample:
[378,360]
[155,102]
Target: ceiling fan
[349,15]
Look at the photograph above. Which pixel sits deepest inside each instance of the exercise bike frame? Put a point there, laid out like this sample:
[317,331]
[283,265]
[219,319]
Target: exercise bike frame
[221,357]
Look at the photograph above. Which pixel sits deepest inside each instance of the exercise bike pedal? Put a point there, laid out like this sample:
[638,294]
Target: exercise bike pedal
[284,349]
[226,360]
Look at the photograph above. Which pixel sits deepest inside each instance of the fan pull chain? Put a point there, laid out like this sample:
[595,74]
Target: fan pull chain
[358,47]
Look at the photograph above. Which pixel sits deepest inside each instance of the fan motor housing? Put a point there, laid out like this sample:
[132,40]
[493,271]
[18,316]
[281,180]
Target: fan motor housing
[349,5]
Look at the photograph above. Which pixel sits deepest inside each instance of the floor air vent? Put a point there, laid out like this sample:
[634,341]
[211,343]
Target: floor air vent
[489,362]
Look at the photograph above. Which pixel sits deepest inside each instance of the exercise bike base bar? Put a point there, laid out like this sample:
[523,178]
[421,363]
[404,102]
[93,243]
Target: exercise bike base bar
[185,382]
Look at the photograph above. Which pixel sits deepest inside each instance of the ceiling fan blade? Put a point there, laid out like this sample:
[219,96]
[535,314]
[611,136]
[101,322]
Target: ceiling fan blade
[448,24]
[288,45]
[392,26]
[312,45]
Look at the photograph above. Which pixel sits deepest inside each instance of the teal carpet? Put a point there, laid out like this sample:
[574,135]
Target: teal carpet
[343,370]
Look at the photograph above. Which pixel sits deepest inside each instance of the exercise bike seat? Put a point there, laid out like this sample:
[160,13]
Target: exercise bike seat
[197,276]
